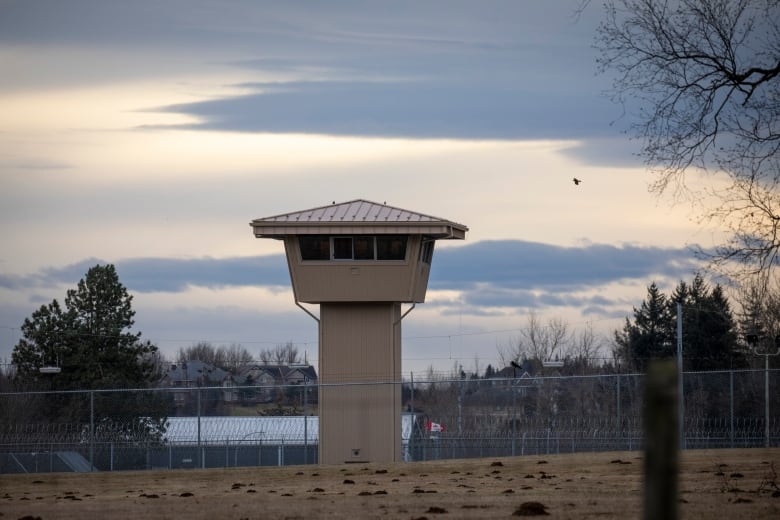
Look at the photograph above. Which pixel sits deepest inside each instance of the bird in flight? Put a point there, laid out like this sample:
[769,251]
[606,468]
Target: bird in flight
[576,181]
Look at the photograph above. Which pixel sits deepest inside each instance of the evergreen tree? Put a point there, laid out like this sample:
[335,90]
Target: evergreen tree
[709,330]
[710,340]
[651,334]
[90,342]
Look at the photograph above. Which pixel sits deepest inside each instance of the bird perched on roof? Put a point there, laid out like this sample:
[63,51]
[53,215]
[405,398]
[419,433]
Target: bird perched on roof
[576,181]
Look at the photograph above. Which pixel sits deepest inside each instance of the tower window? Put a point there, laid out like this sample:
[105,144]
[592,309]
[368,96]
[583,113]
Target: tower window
[426,253]
[380,247]
[342,248]
[314,247]
[390,247]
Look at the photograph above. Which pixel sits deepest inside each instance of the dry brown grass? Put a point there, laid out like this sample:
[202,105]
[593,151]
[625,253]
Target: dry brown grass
[713,484]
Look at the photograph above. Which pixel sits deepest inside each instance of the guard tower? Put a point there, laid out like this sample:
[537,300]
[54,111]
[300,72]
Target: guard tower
[359,261]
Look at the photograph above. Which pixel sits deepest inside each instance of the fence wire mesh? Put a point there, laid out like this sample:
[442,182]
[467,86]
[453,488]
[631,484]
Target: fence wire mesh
[206,427]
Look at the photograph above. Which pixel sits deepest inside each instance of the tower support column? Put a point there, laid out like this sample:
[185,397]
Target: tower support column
[360,377]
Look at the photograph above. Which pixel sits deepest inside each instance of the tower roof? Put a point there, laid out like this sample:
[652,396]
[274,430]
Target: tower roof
[356,217]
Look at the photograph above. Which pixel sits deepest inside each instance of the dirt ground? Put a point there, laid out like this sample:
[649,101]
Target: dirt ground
[713,484]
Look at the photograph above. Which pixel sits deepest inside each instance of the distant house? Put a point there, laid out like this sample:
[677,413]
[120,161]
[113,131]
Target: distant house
[523,370]
[300,375]
[195,374]
[270,377]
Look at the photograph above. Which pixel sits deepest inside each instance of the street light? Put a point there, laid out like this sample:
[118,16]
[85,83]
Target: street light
[753,341]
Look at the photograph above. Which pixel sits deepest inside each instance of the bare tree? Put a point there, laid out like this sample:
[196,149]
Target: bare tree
[236,356]
[6,375]
[265,356]
[585,348]
[538,341]
[706,74]
[229,358]
[281,354]
[760,309]
[201,351]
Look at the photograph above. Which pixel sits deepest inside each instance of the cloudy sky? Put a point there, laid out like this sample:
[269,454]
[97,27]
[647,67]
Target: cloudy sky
[149,134]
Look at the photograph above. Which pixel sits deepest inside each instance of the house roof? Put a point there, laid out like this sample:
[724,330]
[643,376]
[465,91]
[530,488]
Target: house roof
[193,369]
[354,217]
[281,372]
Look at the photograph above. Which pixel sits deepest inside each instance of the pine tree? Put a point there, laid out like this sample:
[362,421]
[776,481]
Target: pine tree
[650,335]
[709,330]
[90,342]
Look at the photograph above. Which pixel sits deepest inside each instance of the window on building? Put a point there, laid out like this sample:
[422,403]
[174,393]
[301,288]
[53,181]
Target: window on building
[381,247]
[314,247]
[390,247]
[364,248]
[342,248]
[426,253]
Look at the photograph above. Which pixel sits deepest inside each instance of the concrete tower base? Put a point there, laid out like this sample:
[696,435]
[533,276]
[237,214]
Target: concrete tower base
[360,343]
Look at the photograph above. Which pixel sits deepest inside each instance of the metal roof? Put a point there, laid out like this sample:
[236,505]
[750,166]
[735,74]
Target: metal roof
[257,429]
[279,430]
[356,216]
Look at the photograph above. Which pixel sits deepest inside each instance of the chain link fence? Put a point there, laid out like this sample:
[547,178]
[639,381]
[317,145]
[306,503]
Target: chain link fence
[209,427]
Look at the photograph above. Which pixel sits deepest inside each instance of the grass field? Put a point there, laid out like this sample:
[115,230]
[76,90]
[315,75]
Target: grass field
[713,484]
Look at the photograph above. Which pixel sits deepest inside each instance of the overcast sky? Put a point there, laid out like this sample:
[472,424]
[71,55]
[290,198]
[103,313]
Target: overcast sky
[148,134]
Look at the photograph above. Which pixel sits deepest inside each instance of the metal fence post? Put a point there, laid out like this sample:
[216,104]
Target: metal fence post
[731,408]
[514,415]
[200,458]
[411,408]
[92,430]
[305,420]
[619,419]
[680,386]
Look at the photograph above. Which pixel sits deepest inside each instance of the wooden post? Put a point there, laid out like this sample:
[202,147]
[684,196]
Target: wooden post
[661,442]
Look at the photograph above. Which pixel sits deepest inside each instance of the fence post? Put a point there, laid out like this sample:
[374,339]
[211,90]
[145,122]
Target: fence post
[514,415]
[731,408]
[680,387]
[619,420]
[661,441]
[91,430]
[306,420]
[522,446]
[200,460]
[411,408]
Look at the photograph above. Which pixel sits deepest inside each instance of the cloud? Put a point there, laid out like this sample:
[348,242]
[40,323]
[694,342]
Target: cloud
[166,274]
[456,70]
[491,273]
[35,164]
[518,264]
[415,108]
[487,282]
[618,151]
[175,275]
